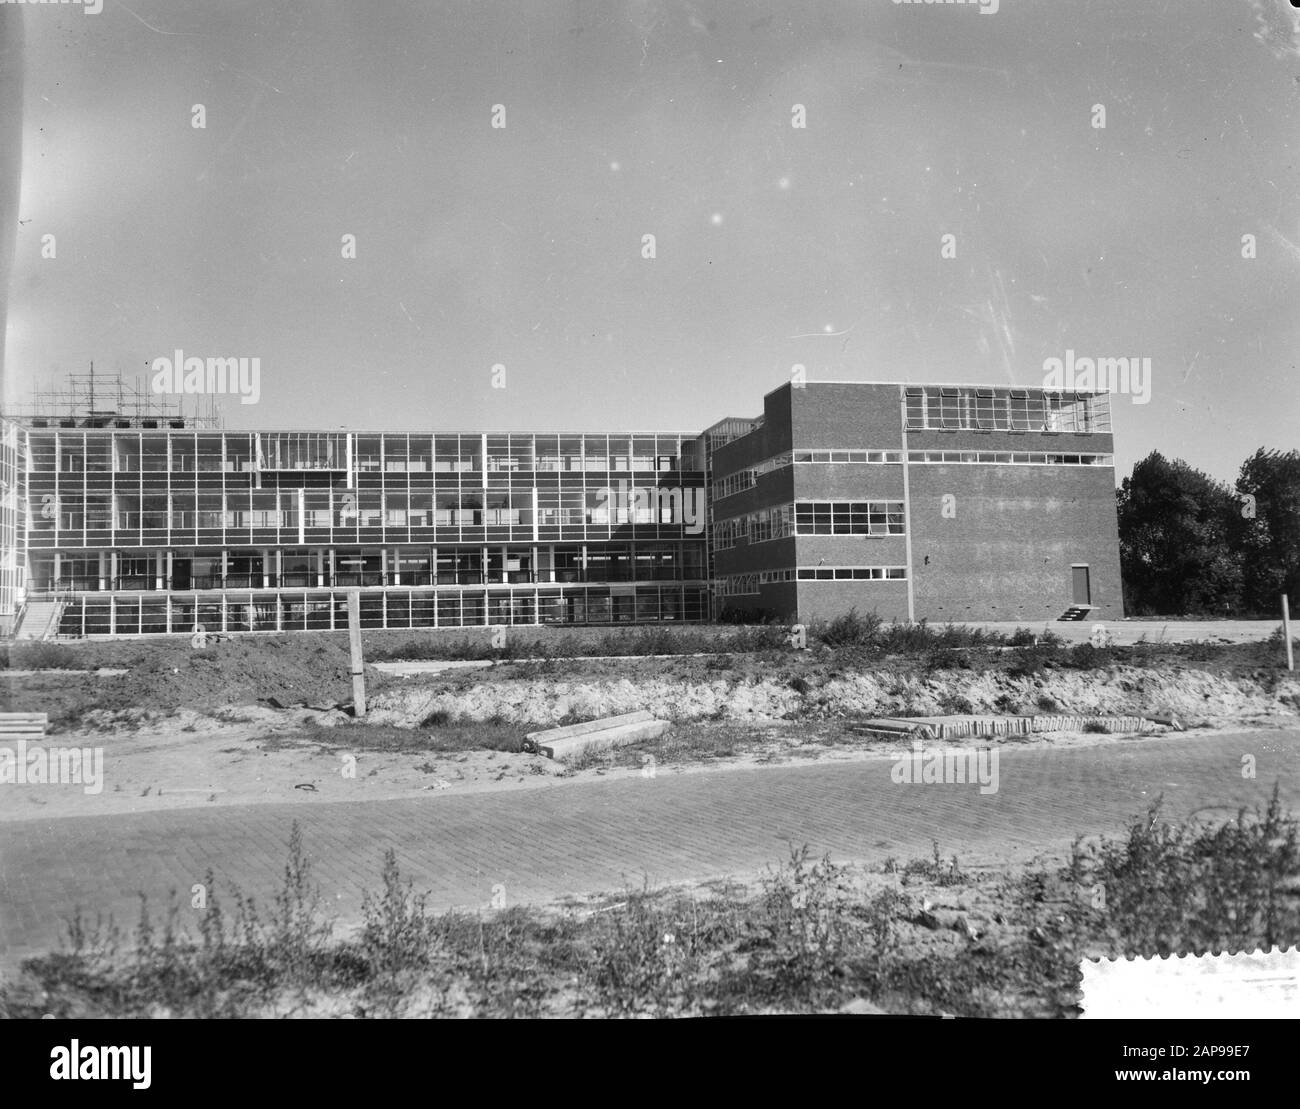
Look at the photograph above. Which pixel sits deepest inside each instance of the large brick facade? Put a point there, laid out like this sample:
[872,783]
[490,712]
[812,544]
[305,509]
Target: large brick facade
[917,502]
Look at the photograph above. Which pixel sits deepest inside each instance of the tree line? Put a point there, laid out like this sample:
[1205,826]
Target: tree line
[1193,546]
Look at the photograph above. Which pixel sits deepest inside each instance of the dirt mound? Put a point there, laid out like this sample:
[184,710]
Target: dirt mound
[306,670]
[1191,694]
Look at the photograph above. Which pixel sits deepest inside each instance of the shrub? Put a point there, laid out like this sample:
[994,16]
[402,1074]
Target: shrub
[1173,888]
[850,630]
[40,655]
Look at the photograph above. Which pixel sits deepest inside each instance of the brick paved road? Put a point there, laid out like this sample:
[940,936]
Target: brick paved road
[596,835]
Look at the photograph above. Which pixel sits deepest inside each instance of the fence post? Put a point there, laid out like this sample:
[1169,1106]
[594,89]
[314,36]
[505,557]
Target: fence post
[354,642]
[1286,632]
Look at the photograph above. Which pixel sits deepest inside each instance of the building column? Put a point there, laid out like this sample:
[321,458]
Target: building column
[103,564]
[159,561]
[266,574]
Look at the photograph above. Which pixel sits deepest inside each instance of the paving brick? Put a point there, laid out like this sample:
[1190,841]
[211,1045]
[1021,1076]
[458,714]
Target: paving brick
[596,835]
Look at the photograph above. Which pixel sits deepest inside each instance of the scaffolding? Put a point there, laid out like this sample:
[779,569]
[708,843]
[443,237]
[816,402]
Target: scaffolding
[99,400]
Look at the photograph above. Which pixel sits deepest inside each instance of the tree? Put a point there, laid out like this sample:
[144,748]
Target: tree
[1266,529]
[1174,529]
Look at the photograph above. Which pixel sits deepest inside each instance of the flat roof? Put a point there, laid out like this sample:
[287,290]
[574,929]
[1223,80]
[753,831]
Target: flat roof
[943,385]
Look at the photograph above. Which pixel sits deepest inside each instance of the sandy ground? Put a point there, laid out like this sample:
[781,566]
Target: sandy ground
[261,755]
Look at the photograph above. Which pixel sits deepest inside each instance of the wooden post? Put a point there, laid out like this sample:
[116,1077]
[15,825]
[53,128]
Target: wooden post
[1286,632]
[354,642]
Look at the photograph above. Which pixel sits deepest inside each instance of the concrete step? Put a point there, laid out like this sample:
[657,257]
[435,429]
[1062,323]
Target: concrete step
[23,725]
[40,620]
[613,731]
[593,725]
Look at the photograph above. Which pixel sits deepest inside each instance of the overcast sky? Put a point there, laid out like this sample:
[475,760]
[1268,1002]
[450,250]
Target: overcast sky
[775,245]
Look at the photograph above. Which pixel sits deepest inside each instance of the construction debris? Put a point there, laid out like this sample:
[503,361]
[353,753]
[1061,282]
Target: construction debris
[975,727]
[611,731]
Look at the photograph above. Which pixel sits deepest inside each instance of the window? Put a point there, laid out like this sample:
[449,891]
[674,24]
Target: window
[849,518]
[851,573]
[915,408]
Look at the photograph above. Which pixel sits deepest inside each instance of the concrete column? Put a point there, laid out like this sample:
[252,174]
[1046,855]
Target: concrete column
[266,574]
[103,565]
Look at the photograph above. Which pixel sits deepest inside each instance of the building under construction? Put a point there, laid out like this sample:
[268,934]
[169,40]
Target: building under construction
[122,516]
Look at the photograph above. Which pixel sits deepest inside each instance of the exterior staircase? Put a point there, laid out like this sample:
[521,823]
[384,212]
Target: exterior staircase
[1075,612]
[40,620]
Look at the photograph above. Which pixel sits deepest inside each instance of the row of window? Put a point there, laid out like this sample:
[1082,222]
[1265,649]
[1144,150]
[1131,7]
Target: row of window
[848,518]
[273,508]
[741,585]
[734,483]
[811,518]
[453,608]
[75,451]
[1019,458]
[746,479]
[771,523]
[974,409]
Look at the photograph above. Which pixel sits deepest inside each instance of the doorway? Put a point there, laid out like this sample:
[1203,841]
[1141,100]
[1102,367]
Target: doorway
[1082,586]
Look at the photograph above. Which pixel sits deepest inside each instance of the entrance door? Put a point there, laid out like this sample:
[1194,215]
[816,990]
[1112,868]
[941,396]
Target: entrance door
[1082,592]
